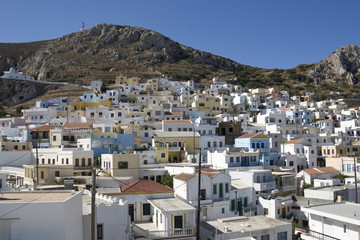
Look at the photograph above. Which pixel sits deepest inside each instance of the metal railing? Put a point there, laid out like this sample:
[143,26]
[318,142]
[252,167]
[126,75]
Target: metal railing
[316,235]
[160,234]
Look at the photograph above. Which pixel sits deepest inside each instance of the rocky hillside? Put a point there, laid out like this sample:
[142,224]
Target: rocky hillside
[342,66]
[106,50]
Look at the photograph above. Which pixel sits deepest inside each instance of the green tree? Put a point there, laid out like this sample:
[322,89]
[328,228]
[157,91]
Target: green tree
[167,180]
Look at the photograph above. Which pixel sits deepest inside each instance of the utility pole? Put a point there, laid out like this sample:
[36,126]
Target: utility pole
[199,200]
[93,205]
[37,167]
[356,191]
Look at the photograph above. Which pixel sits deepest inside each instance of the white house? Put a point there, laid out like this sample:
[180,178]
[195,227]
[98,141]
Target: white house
[112,221]
[40,215]
[261,180]
[255,227]
[171,218]
[12,74]
[332,221]
[215,193]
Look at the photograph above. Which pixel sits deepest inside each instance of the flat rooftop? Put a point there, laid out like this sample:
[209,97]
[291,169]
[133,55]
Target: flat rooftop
[171,205]
[342,211]
[34,197]
[243,224]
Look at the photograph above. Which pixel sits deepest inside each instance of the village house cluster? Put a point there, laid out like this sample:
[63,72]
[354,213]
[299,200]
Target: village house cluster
[269,162]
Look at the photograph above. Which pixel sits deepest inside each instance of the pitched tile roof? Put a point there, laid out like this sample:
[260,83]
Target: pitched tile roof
[43,128]
[185,176]
[145,185]
[356,142]
[294,141]
[248,135]
[321,170]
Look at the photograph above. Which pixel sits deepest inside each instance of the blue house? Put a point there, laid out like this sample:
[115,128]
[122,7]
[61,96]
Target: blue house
[255,142]
[110,144]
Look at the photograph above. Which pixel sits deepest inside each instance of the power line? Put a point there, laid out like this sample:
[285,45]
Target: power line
[14,159]
[25,204]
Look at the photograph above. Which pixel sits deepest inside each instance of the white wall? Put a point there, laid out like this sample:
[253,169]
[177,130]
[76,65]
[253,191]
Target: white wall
[41,220]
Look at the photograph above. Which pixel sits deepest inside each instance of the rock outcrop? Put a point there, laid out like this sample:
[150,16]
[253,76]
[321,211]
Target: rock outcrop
[342,66]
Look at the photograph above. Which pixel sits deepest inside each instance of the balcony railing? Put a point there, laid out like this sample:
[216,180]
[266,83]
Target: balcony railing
[314,235]
[264,186]
[161,234]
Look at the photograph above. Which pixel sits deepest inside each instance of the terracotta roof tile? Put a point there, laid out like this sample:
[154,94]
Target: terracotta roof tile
[43,128]
[185,176]
[294,141]
[248,135]
[144,185]
[321,170]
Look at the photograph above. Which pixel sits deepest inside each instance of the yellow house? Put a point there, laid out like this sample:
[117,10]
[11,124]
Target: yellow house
[207,104]
[171,146]
[79,105]
[124,79]
[121,165]
[338,150]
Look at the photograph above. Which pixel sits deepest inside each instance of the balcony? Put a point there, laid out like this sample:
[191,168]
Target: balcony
[313,235]
[82,167]
[264,186]
[149,230]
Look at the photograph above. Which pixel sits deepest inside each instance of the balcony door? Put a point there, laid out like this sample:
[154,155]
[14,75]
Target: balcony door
[178,221]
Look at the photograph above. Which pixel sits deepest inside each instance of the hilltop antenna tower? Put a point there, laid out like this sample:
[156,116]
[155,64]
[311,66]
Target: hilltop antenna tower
[82,26]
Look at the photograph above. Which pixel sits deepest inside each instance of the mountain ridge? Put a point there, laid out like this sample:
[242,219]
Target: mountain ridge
[105,51]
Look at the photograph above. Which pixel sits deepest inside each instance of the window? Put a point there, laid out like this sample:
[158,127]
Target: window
[57,173]
[282,236]
[230,129]
[67,161]
[226,187]
[214,189]
[237,159]
[232,205]
[344,228]
[89,161]
[123,165]
[179,129]
[214,144]
[146,209]
[231,159]
[76,162]
[100,231]
[265,237]
[266,211]
[223,210]
[202,194]
[169,129]
[245,201]
[163,155]
[54,138]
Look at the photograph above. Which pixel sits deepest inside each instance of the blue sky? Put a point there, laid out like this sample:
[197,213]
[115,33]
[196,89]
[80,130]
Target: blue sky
[266,34]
